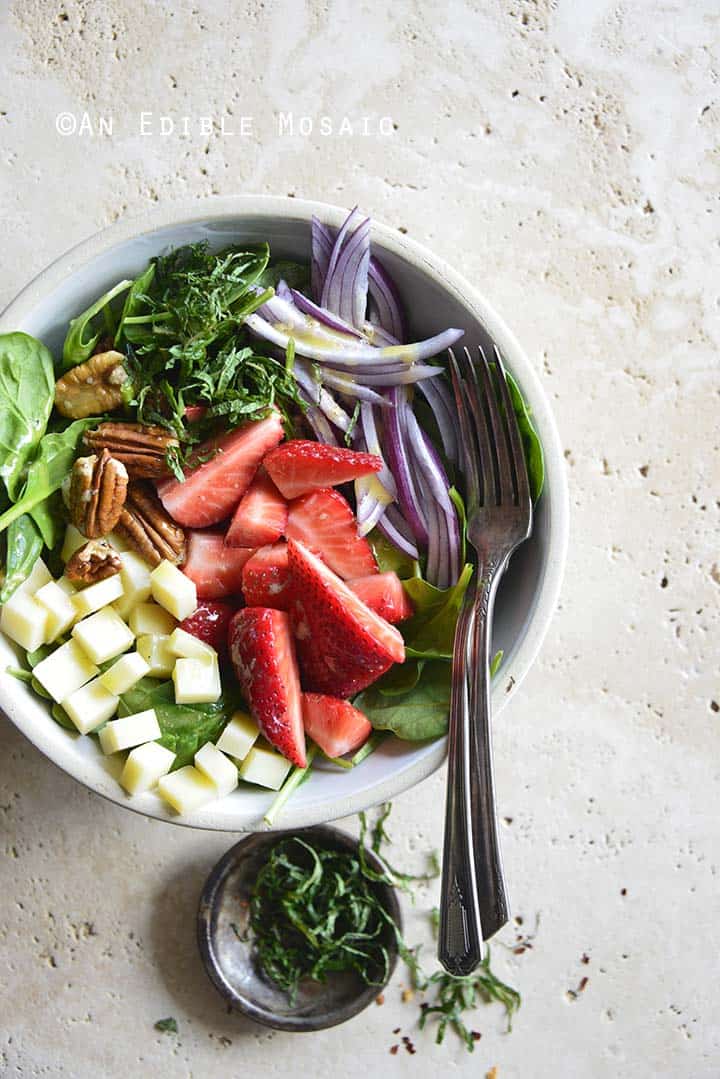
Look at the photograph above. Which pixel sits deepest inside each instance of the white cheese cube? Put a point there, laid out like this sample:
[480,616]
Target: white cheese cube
[123,675]
[188,647]
[65,670]
[218,768]
[145,764]
[173,590]
[36,578]
[130,731]
[150,618]
[118,542]
[25,621]
[264,767]
[155,650]
[89,706]
[135,577]
[61,612]
[73,541]
[187,789]
[67,586]
[197,681]
[239,736]
[103,635]
[97,595]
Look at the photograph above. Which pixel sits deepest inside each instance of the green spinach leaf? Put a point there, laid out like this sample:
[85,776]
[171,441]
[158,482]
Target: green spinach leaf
[49,516]
[422,713]
[531,442]
[48,470]
[24,547]
[27,390]
[135,302]
[390,558]
[430,633]
[82,336]
[294,274]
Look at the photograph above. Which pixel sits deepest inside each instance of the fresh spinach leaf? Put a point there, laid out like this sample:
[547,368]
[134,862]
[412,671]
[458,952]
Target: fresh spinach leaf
[47,471]
[185,727]
[389,558]
[24,547]
[49,516]
[135,301]
[430,633]
[167,1026]
[27,390]
[82,336]
[531,442]
[422,713]
[294,274]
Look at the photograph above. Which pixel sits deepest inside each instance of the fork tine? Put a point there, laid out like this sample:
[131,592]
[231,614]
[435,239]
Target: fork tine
[518,453]
[506,491]
[482,434]
[468,443]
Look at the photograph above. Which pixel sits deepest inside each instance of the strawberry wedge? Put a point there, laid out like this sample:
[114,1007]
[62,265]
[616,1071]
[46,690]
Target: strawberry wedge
[261,516]
[215,568]
[324,521]
[384,594]
[263,656]
[300,466]
[265,578]
[334,725]
[226,467]
[209,623]
[342,645]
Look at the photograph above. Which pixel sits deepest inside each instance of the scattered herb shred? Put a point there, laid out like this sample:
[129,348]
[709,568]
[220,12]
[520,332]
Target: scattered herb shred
[314,911]
[167,1026]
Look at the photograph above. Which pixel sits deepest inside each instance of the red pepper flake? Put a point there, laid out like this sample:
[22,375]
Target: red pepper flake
[380,999]
[623,891]
[396,1030]
[583,983]
[475,1035]
[519,951]
[585,958]
[394,1049]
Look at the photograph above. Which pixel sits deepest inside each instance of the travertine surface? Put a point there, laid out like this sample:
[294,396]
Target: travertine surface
[565,157]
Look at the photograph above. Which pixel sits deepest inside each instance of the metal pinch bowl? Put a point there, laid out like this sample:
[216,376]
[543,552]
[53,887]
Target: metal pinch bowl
[223,917]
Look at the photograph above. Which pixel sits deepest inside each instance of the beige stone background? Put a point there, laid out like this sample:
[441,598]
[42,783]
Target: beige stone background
[563,155]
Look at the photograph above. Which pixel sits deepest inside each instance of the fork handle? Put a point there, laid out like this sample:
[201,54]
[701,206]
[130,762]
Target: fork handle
[492,894]
[460,937]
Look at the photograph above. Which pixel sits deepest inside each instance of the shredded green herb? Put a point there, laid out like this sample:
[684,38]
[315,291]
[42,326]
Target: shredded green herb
[454,996]
[314,911]
[167,1026]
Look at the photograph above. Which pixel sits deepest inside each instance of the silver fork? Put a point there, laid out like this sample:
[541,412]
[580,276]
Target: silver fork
[473,899]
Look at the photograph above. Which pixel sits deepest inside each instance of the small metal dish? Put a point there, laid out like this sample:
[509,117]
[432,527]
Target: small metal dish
[229,960]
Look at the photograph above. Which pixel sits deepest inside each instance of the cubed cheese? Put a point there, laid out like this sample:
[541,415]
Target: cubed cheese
[123,674]
[61,611]
[155,650]
[89,706]
[218,768]
[145,764]
[36,578]
[118,542]
[130,731]
[197,681]
[65,670]
[150,618]
[25,621]
[187,789]
[97,595]
[188,647]
[264,767]
[68,587]
[135,577]
[173,590]
[103,635]
[73,541]
[239,736]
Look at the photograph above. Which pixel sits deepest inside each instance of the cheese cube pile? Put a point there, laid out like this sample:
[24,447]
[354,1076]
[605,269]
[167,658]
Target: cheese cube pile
[127,625]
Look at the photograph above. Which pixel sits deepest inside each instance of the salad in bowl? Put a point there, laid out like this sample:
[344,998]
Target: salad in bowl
[232,519]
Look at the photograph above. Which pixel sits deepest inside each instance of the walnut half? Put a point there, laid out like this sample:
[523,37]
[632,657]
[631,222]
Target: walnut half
[92,387]
[94,561]
[98,487]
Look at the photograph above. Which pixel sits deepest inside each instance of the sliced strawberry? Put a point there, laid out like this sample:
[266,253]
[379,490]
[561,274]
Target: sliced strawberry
[384,594]
[193,413]
[334,725]
[324,522]
[301,466]
[209,623]
[224,470]
[265,578]
[343,646]
[261,516]
[263,655]
[215,568]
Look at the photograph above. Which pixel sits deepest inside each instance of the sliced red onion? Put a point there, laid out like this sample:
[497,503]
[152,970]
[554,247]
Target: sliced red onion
[391,533]
[398,457]
[441,401]
[320,398]
[327,318]
[318,421]
[322,241]
[444,526]
[386,299]
[373,444]
[370,512]
[351,353]
[347,384]
[405,377]
[283,290]
[376,335]
[346,283]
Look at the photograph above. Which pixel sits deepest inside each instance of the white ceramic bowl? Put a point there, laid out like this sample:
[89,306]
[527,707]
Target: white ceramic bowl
[436,296]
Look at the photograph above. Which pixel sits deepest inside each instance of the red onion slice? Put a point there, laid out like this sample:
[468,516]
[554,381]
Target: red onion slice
[395,536]
[438,396]
[327,318]
[322,242]
[346,284]
[398,457]
[386,299]
[320,398]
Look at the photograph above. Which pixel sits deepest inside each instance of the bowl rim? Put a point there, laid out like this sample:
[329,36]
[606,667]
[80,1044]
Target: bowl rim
[217,209]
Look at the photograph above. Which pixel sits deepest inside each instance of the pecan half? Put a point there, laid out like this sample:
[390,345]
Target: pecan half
[98,486]
[140,447]
[92,387]
[148,528]
[94,561]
